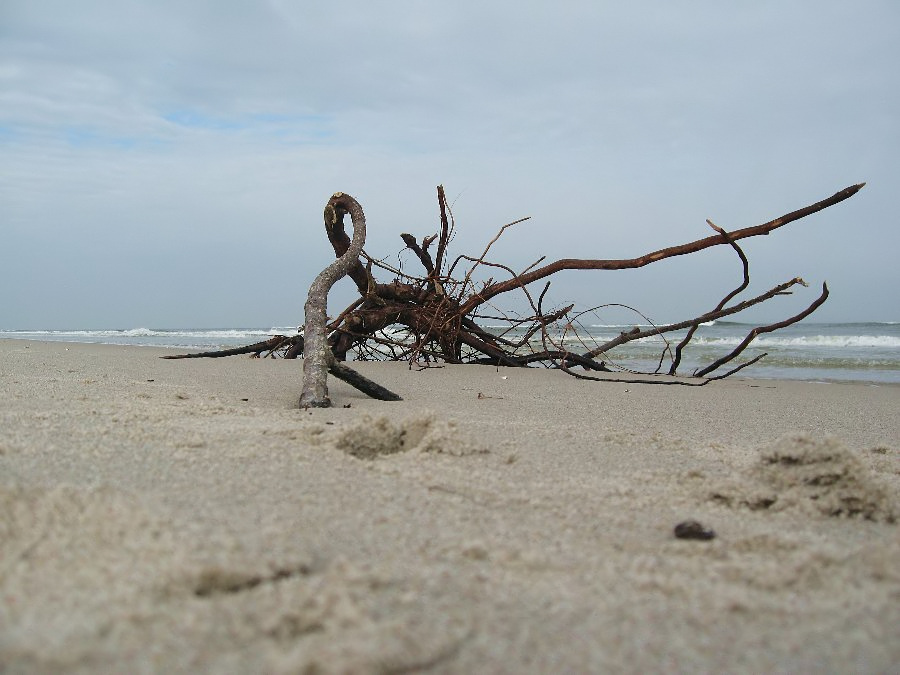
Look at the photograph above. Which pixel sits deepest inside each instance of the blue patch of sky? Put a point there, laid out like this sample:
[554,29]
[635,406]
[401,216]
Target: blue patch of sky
[89,137]
[286,126]
[7,134]
[317,127]
[195,120]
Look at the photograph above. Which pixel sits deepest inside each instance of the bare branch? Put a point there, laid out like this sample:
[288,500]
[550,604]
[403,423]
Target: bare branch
[655,256]
[270,345]
[637,334]
[445,230]
[746,282]
[765,329]
[422,254]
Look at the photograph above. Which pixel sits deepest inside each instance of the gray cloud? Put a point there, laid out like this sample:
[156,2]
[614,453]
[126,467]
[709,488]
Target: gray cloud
[166,163]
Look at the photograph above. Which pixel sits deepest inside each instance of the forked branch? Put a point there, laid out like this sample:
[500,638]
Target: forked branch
[662,254]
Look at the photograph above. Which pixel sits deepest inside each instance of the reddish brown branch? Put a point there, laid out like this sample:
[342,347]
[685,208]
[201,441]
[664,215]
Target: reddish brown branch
[566,359]
[655,256]
[270,345]
[421,253]
[445,230]
[497,355]
[619,380]
[738,368]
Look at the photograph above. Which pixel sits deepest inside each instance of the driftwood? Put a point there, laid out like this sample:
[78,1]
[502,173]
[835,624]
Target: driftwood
[317,356]
[318,359]
[272,346]
[438,316]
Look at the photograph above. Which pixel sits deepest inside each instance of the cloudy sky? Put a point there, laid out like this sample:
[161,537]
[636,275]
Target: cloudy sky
[165,164]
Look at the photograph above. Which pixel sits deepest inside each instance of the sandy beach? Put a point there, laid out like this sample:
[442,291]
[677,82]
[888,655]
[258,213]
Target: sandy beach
[186,516]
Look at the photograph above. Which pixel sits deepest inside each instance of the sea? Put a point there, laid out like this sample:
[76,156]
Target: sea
[824,352]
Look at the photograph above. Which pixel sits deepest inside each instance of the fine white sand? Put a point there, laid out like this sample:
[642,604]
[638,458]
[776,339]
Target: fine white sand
[185,516]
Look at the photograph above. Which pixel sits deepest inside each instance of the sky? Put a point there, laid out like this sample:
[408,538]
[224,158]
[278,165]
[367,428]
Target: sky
[165,164]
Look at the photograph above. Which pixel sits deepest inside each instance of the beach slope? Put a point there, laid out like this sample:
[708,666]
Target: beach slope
[186,516]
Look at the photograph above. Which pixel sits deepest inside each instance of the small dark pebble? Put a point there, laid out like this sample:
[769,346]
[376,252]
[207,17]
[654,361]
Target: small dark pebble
[691,529]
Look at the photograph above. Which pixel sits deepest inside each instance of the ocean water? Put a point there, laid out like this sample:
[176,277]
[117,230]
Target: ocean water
[868,352]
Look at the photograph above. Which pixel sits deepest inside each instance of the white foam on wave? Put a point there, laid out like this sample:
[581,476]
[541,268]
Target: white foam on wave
[833,341]
[235,334]
[642,326]
[134,332]
[142,332]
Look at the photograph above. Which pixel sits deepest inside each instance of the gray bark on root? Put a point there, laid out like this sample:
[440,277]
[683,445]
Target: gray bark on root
[318,358]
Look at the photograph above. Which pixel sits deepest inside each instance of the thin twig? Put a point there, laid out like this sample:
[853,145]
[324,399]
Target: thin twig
[637,334]
[746,282]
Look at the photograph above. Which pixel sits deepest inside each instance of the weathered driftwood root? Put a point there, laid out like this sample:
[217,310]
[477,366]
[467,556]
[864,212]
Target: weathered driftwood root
[318,358]
[439,315]
[436,317]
